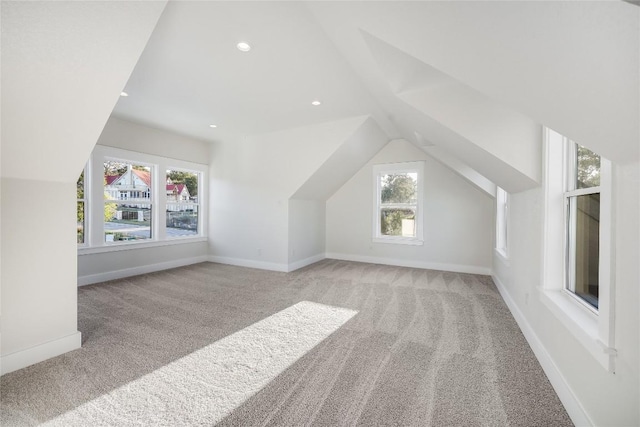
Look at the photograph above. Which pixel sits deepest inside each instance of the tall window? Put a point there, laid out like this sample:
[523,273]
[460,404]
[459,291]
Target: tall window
[502,218]
[182,203]
[398,203]
[582,200]
[127,201]
[80,208]
[578,275]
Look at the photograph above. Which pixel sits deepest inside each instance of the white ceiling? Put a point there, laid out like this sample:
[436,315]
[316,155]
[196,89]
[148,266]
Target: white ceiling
[572,66]
[192,75]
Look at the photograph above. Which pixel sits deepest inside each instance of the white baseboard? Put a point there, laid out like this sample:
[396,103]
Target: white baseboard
[568,398]
[134,271]
[30,356]
[241,262]
[457,268]
[293,266]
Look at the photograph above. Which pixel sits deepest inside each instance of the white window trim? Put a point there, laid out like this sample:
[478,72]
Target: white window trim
[417,167]
[188,203]
[94,191]
[502,223]
[593,329]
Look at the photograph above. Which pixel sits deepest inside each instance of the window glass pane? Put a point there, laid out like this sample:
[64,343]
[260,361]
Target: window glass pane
[399,188]
[80,220]
[124,222]
[182,203]
[584,255]
[80,186]
[127,181]
[587,168]
[398,222]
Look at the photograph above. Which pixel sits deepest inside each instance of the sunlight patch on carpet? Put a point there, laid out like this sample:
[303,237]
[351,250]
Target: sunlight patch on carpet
[208,384]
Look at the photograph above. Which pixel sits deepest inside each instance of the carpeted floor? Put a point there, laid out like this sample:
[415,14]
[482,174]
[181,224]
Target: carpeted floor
[419,347]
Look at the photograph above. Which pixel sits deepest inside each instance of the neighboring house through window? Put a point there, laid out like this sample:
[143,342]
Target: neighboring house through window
[127,209]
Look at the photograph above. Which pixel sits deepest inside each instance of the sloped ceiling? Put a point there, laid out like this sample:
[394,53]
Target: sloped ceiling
[476,80]
[501,144]
[571,66]
[63,67]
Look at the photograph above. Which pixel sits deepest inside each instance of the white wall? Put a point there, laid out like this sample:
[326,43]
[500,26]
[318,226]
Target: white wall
[458,219]
[38,277]
[63,67]
[606,398]
[130,136]
[306,230]
[252,180]
[120,133]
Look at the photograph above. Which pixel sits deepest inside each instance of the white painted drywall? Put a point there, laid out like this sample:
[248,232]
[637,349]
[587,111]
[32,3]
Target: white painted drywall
[63,67]
[607,399]
[142,139]
[252,180]
[120,133]
[39,296]
[306,229]
[573,66]
[458,218]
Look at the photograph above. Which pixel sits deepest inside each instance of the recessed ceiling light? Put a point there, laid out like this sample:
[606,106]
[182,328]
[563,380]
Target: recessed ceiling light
[316,102]
[123,93]
[213,126]
[244,47]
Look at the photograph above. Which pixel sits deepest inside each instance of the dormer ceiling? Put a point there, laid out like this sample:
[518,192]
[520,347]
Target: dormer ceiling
[474,81]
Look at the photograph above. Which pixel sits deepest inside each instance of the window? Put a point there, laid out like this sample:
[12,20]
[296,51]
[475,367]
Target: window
[182,203]
[127,209]
[80,207]
[129,200]
[582,208]
[398,203]
[578,279]
[502,218]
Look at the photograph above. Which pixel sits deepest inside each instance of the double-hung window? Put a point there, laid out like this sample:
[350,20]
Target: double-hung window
[582,215]
[128,199]
[183,204]
[578,279]
[128,203]
[398,203]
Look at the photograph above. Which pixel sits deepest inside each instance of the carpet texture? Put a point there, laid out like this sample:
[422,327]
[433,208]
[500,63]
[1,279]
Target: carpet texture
[426,348]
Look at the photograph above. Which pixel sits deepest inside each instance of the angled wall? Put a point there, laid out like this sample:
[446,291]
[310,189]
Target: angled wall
[458,219]
[499,143]
[63,67]
[271,184]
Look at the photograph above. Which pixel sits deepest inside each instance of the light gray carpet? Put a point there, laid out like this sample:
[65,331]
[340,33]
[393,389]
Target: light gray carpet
[425,348]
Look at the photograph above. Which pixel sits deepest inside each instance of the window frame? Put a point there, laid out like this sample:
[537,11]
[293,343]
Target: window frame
[94,196]
[126,200]
[595,330]
[502,222]
[391,168]
[198,203]
[571,192]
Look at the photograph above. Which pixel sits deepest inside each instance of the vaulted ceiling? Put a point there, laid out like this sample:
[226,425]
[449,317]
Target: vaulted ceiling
[471,83]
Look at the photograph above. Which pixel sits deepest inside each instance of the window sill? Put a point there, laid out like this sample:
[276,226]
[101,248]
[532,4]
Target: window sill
[581,322]
[87,250]
[399,241]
